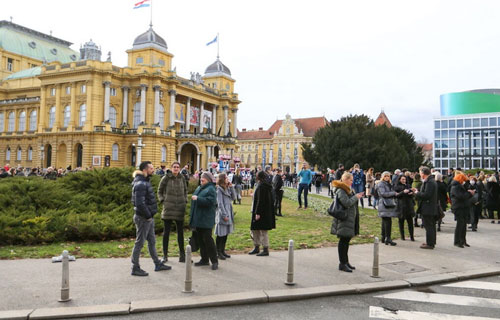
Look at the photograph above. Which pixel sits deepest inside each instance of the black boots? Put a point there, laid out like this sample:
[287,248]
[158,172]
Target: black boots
[219,242]
[137,271]
[264,253]
[344,267]
[255,250]
[182,257]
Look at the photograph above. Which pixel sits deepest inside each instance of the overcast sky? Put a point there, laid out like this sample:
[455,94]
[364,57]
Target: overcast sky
[306,58]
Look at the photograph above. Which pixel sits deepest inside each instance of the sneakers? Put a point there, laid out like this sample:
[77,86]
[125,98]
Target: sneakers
[161,267]
[136,271]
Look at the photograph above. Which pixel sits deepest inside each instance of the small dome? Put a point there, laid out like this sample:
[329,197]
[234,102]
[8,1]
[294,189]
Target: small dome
[150,37]
[217,67]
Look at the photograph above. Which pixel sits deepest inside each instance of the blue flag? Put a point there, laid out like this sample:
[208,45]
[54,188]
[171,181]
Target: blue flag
[213,41]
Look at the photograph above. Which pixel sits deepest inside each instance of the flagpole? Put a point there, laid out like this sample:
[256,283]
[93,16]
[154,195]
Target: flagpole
[151,21]
[218,40]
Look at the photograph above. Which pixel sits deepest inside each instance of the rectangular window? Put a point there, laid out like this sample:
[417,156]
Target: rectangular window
[444,134]
[437,124]
[453,144]
[493,122]
[444,154]
[453,153]
[437,163]
[453,163]
[475,122]
[161,62]
[83,88]
[437,143]
[444,124]
[139,60]
[68,90]
[437,154]
[113,92]
[452,134]
[444,164]
[52,91]
[476,163]
[468,123]
[460,123]
[452,124]
[10,64]
[484,122]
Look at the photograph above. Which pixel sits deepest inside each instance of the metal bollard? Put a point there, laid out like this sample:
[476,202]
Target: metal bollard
[375,259]
[289,274]
[188,283]
[65,278]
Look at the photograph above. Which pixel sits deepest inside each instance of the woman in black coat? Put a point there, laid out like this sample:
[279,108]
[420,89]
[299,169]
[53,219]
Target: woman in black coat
[262,215]
[460,205]
[493,195]
[442,196]
[405,206]
[477,207]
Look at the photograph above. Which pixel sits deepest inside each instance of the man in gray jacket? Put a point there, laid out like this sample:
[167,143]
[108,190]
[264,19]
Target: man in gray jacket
[145,207]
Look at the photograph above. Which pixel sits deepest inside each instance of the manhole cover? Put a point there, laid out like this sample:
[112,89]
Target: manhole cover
[403,267]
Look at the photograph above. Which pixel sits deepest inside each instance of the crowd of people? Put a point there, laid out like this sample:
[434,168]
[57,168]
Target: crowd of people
[50,173]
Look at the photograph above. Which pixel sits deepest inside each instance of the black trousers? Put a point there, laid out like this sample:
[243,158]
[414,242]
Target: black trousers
[429,223]
[167,226]
[278,197]
[491,214]
[475,212]
[220,243]
[409,221]
[460,229]
[207,245]
[386,229]
[343,249]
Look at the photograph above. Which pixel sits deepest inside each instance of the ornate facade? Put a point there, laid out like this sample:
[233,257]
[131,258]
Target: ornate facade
[61,108]
[280,145]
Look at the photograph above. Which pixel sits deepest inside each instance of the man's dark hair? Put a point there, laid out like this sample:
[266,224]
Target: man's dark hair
[177,163]
[144,165]
[425,170]
[261,176]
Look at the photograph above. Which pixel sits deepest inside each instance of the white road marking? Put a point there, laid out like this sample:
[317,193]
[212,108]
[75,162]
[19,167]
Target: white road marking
[471,284]
[443,299]
[381,313]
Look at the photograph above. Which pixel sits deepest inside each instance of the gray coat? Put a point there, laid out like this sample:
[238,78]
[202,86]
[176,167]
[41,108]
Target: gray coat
[385,190]
[225,198]
[172,192]
[349,227]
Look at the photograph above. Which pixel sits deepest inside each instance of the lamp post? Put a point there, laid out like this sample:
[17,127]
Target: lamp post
[139,146]
[42,148]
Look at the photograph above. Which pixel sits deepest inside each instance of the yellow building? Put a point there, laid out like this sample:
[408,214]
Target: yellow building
[280,145]
[59,107]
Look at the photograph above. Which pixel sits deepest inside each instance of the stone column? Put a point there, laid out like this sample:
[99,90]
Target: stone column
[226,121]
[73,108]
[172,94]
[198,159]
[139,151]
[107,94]
[143,103]
[188,114]
[179,157]
[157,104]
[42,111]
[208,156]
[214,119]
[235,123]
[125,104]
[59,109]
[202,107]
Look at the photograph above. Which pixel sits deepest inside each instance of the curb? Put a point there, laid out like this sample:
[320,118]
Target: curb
[250,297]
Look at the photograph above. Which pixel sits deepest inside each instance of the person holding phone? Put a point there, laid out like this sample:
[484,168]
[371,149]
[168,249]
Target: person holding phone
[405,206]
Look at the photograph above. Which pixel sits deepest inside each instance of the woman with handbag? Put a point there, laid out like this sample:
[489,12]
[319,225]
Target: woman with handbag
[387,207]
[224,216]
[348,228]
[405,206]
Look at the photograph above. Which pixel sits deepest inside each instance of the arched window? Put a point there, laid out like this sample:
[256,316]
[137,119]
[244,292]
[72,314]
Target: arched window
[22,121]
[2,122]
[12,122]
[67,116]
[256,159]
[19,154]
[7,154]
[163,154]
[112,116]
[52,116]
[161,116]
[249,159]
[82,117]
[137,115]
[30,154]
[33,120]
[114,155]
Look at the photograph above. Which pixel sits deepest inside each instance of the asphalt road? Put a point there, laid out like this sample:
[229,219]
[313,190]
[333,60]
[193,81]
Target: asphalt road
[472,300]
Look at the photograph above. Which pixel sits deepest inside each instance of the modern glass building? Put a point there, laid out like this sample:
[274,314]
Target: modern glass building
[467,134]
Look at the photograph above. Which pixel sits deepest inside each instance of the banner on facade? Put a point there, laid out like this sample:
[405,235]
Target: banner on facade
[194,118]
[180,111]
[207,119]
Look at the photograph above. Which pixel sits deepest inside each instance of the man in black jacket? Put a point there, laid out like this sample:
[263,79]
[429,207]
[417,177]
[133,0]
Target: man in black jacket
[145,207]
[428,206]
[277,191]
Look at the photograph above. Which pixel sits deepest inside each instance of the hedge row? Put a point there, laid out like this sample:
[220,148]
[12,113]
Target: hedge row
[88,205]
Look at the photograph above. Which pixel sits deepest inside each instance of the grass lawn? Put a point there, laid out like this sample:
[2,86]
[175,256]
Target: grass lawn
[309,229]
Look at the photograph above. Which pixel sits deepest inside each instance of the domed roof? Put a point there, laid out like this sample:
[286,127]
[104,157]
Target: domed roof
[217,67]
[149,37]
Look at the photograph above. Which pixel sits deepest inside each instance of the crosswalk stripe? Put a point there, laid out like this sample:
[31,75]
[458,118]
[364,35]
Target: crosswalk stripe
[381,313]
[471,284]
[442,299]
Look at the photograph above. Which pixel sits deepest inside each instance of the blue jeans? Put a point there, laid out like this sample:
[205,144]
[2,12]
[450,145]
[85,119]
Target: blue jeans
[303,187]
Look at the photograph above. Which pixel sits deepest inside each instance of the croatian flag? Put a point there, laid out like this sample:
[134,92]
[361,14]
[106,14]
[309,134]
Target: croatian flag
[213,41]
[141,4]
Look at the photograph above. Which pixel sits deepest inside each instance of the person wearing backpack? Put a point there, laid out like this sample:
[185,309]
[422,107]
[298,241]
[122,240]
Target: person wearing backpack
[348,228]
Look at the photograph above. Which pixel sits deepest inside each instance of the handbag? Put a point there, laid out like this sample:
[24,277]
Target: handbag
[337,210]
[389,202]
[193,241]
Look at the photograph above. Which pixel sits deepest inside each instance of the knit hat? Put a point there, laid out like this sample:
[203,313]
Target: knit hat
[386,173]
[208,176]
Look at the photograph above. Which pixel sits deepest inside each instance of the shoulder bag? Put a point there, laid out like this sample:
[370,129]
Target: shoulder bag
[389,202]
[337,210]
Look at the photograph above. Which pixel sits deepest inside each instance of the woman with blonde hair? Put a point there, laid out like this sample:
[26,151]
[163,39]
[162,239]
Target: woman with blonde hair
[348,228]
[387,207]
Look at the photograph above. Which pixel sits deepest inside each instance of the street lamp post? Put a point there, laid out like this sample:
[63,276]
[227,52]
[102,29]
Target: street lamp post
[139,146]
